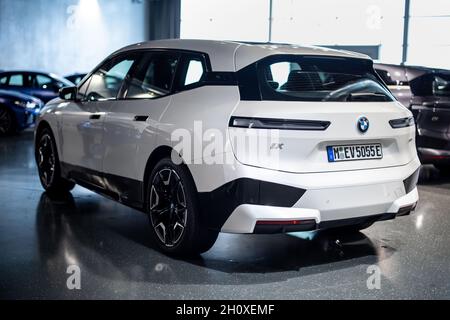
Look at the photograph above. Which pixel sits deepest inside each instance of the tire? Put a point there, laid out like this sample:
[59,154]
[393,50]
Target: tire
[7,122]
[443,169]
[172,204]
[48,165]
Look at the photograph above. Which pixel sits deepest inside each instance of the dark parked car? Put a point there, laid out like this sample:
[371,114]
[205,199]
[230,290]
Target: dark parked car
[44,86]
[17,111]
[426,91]
[398,78]
[76,77]
[430,105]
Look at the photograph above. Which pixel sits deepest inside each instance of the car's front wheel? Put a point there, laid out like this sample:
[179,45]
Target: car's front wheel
[7,121]
[48,165]
[173,211]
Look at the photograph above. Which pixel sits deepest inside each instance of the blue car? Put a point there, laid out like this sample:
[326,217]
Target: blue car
[17,111]
[44,86]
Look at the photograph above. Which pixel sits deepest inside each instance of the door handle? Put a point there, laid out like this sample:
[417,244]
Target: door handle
[140,118]
[95,116]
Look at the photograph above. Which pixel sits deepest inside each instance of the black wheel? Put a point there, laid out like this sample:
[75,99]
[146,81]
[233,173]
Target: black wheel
[7,121]
[48,165]
[443,169]
[173,211]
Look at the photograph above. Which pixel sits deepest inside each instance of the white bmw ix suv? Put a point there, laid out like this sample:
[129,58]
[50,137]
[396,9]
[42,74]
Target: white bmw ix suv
[340,154]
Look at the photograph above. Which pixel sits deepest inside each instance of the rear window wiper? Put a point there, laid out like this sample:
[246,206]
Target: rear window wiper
[367,96]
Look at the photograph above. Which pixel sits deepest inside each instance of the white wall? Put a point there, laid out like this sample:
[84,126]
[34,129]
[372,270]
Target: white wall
[328,22]
[66,36]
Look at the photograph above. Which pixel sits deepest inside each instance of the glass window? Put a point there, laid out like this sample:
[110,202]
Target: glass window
[3,79]
[441,85]
[153,77]
[44,82]
[16,80]
[320,79]
[105,83]
[194,72]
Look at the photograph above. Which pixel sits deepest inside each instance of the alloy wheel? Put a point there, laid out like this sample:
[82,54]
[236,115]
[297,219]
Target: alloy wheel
[168,210]
[46,159]
[5,121]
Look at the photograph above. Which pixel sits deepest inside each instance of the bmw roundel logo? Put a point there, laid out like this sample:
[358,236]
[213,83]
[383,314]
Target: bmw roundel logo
[363,124]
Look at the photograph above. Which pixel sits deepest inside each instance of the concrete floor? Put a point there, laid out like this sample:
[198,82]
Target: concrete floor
[40,238]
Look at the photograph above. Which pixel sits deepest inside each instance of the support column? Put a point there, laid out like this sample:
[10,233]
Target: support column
[163,19]
[405,32]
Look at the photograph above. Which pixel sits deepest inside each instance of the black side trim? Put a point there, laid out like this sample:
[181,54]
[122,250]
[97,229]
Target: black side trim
[411,182]
[217,205]
[404,211]
[274,228]
[282,124]
[248,83]
[124,190]
[220,78]
[355,221]
[140,118]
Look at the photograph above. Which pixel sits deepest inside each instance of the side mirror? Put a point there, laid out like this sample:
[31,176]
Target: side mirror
[68,93]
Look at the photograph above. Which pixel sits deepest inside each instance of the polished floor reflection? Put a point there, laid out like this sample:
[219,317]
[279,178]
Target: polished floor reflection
[40,237]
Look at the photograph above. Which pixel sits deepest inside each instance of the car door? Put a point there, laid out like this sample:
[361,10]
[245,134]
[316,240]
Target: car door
[131,124]
[43,86]
[83,129]
[16,81]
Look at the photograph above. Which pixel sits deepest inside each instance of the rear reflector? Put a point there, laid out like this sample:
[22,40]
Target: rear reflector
[283,222]
[439,157]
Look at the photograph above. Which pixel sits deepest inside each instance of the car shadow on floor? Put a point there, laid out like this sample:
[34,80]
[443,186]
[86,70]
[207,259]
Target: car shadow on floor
[430,176]
[119,246]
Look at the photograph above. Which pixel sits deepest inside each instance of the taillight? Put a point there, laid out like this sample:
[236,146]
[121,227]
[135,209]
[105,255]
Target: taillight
[402,122]
[283,124]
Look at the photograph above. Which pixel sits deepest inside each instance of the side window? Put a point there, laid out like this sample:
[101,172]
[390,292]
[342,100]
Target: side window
[441,85]
[16,80]
[192,71]
[43,82]
[3,79]
[105,83]
[153,77]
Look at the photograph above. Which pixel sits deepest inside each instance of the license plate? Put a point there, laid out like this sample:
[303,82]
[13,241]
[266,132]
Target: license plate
[354,152]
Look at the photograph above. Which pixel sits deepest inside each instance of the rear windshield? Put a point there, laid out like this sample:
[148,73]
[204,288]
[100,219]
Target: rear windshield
[314,78]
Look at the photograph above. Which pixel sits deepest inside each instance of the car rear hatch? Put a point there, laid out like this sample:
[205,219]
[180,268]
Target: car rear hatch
[304,151]
[311,113]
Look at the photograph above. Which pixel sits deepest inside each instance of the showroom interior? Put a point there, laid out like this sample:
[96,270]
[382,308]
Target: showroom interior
[42,238]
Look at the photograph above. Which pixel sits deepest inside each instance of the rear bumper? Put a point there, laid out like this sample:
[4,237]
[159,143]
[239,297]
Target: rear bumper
[247,218]
[330,199]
